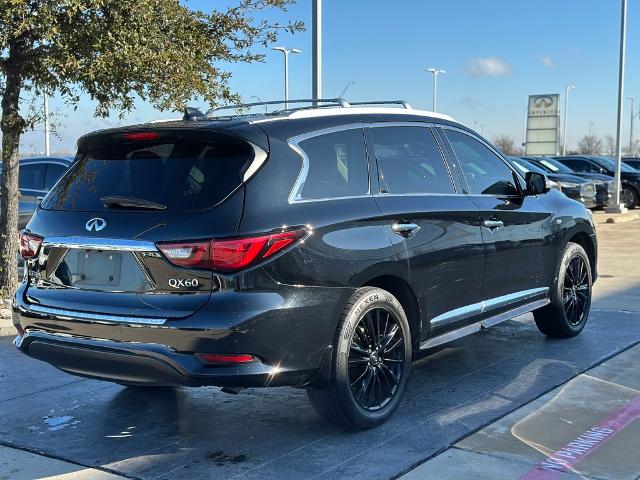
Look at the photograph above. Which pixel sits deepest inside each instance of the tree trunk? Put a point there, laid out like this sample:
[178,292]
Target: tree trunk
[12,126]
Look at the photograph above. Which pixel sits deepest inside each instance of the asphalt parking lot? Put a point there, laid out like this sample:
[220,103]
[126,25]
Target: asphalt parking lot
[274,433]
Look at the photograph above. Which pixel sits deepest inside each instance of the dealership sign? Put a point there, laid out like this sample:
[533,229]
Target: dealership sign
[543,125]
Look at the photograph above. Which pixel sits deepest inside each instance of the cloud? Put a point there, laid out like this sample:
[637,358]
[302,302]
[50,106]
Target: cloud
[548,62]
[488,67]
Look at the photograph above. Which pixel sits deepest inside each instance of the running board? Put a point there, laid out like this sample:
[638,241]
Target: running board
[486,323]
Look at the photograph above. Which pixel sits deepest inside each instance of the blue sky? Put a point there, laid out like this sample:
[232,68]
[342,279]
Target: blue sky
[496,53]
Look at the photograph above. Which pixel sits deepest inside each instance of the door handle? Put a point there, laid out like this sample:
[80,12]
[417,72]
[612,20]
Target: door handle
[491,224]
[404,229]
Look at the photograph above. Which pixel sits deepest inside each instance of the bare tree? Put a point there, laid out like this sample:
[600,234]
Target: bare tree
[590,145]
[634,151]
[610,143]
[506,144]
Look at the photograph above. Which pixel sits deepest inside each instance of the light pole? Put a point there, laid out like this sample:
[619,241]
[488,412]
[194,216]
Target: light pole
[346,87]
[633,114]
[286,52]
[566,117]
[47,149]
[316,47]
[435,72]
[616,206]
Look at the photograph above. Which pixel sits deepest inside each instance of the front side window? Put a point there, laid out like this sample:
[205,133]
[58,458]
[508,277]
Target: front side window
[31,177]
[337,166]
[582,166]
[409,161]
[485,172]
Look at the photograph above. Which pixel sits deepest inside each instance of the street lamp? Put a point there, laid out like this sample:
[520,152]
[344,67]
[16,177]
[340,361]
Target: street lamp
[566,117]
[286,52]
[435,72]
[346,87]
[633,114]
[616,206]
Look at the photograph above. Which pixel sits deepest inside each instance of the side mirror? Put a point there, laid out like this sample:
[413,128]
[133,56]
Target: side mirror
[536,183]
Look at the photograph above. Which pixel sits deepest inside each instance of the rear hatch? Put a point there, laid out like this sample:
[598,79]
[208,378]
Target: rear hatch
[127,192]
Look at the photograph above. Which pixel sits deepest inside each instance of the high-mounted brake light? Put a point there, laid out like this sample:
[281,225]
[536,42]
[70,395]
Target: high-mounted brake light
[229,255]
[29,245]
[140,136]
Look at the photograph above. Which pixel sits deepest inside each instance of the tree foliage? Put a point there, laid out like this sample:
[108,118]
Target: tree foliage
[116,51]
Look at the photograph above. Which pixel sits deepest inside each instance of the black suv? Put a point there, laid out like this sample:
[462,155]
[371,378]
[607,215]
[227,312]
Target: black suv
[325,248]
[629,177]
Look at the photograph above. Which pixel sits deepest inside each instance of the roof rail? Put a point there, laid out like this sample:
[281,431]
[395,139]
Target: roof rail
[316,103]
[192,114]
[404,103]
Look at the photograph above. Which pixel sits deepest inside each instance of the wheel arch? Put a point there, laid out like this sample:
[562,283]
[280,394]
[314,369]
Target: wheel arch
[585,241]
[401,289]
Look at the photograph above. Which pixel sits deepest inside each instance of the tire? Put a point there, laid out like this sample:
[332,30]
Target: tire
[630,197]
[366,385]
[568,311]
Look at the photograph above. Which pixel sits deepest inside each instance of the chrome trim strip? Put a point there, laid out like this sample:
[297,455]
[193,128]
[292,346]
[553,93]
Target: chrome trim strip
[489,322]
[101,243]
[487,305]
[259,157]
[98,317]
[457,314]
[506,300]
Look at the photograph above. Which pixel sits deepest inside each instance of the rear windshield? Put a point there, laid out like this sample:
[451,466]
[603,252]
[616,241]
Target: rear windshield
[179,175]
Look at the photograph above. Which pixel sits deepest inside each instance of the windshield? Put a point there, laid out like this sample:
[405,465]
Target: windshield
[555,166]
[610,164]
[526,166]
[177,175]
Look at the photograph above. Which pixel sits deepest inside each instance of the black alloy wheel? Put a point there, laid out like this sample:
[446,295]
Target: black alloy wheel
[576,291]
[376,359]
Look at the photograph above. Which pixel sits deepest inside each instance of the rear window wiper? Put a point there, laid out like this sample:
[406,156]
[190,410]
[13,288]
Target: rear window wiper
[131,202]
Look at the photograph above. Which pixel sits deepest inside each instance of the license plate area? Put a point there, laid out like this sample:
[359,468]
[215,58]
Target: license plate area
[97,269]
[93,269]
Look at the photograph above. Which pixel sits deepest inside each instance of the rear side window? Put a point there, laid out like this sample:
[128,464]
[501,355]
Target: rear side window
[409,161]
[485,172]
[337,166]
[31,177]
[181,175]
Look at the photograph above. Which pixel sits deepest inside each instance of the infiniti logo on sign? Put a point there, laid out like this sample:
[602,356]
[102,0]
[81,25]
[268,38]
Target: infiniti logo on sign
[96,224]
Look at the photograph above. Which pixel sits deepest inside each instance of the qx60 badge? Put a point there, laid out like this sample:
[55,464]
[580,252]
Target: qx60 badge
[96,224]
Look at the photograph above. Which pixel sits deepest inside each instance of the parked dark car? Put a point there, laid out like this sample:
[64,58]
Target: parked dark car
[630,178]
[633,162]
[604,183]
[323,248]
[580,189]
[37,176]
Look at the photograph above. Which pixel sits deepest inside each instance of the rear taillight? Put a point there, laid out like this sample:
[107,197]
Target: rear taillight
[29,245]
[230,255]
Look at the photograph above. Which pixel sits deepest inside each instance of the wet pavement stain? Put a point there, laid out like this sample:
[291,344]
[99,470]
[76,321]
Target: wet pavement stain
[221,458]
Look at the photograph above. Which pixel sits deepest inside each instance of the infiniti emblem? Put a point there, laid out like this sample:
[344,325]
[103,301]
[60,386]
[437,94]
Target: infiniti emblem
[96,224]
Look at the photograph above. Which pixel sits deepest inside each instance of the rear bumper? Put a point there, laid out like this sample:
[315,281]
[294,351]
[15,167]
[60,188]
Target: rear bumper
[289,332]
[148,364]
